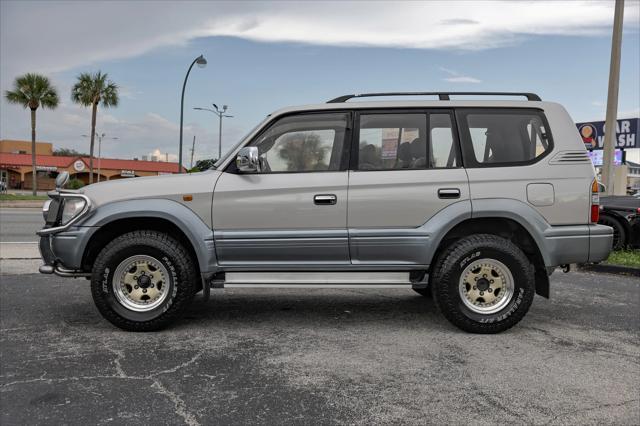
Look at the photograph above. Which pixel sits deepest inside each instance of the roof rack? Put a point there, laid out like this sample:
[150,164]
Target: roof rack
[443,96]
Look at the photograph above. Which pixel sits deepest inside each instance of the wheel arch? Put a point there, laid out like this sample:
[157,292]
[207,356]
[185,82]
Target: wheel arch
[508,223]
[114,219]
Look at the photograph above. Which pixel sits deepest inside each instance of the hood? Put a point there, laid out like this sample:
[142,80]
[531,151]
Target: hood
[162,186]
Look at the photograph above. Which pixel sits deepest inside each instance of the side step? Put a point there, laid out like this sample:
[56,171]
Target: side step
[316,280]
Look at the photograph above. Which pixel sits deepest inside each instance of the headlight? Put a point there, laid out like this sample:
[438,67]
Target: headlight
[72,208]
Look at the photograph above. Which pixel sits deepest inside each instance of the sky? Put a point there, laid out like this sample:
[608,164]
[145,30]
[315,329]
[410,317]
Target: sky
[266,55]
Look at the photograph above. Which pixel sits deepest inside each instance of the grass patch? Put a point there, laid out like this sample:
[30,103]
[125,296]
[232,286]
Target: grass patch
[625,258]
[19,197]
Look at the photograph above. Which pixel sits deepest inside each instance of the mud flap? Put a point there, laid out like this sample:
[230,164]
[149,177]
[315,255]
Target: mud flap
[542,283]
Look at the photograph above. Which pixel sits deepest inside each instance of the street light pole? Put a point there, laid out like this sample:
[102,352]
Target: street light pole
[100,136]
[220,113]
[202,62]
[220,133]
[608,175]
[100,155]
[193,148]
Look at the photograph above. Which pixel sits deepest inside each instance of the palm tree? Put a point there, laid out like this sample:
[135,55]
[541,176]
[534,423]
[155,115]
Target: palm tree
[93,90]
[32,91]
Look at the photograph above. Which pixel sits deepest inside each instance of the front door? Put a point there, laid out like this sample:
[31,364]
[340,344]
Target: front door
[405,170]
[294,210]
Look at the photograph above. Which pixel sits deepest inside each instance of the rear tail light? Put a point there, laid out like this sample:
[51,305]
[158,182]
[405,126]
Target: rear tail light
[595,202]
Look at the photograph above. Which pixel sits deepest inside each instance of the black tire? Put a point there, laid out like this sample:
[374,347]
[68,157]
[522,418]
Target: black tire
[170,253]
[423,291]
[619,231]
[445,282]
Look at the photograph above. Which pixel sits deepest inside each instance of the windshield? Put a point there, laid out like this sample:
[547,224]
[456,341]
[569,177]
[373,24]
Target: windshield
[237,145]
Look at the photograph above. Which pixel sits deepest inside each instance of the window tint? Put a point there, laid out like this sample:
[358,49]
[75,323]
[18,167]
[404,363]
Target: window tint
[303,143]
[504,137]
[392,141]
[442,147]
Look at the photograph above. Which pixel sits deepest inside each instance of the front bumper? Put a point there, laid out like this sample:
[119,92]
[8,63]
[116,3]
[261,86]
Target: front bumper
[63,252]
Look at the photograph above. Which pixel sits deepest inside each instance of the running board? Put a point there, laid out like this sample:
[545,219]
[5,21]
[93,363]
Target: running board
[316,280]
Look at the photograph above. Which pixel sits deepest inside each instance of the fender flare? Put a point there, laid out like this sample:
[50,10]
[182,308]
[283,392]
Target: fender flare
[197,232]
[545,236]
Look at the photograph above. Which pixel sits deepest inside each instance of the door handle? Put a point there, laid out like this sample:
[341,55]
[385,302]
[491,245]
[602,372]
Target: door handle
[325,199]
[449,193]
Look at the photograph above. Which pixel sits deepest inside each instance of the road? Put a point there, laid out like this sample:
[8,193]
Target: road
[20,224]
[286,356]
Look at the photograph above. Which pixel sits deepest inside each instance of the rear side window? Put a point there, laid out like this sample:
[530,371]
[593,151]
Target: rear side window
[392,141]
[442,146]
[499,137]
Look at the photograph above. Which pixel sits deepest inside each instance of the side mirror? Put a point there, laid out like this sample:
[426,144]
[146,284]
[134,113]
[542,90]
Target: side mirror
[62,179]
[247,160]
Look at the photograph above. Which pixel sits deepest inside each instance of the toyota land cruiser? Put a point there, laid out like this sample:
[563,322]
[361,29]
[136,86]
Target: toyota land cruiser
[471,202]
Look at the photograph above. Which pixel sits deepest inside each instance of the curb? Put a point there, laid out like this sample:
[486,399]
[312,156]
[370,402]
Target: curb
[611,269]
[22,204]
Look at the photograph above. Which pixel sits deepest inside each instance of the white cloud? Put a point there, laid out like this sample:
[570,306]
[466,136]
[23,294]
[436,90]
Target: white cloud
[128,92]
[462,80]
[456,77]
[69,35]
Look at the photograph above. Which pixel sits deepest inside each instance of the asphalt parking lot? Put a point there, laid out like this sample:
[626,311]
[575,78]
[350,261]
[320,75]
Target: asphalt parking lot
[274,356]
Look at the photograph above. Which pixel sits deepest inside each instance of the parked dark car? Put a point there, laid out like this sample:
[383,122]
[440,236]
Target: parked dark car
[622,213]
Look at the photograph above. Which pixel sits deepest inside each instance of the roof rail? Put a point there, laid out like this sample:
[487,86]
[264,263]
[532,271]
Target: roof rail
[443,96]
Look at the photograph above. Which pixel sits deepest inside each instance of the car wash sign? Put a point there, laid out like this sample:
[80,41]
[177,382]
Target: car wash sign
[592,134]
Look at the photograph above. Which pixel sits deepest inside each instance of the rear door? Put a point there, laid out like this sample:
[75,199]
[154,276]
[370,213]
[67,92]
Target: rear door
[294,211]
[405,168]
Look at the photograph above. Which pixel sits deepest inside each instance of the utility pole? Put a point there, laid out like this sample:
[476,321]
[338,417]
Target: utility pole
[608,175]
[220,113]
[193,148]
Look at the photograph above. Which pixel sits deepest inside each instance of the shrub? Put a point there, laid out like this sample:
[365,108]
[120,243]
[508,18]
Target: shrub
[75,184]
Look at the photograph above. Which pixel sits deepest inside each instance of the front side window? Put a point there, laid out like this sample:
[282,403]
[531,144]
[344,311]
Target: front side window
[303,143]
[392,141]
[498,137]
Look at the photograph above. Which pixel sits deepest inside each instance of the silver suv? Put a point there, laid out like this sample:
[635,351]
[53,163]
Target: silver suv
[473,203]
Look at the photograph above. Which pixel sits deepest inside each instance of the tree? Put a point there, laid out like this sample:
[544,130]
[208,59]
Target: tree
[303,152]
[201,165]
[68,152]
[93,90]
[32,91]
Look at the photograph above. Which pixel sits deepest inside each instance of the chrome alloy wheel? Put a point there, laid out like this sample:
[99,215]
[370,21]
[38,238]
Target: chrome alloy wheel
[141,283]
[486,286]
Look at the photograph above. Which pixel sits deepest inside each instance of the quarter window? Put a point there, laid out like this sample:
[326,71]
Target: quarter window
[496,137]
[303,143]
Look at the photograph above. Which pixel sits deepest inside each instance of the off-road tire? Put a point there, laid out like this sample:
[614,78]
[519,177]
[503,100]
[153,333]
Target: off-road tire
[174,257]
[445,281]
